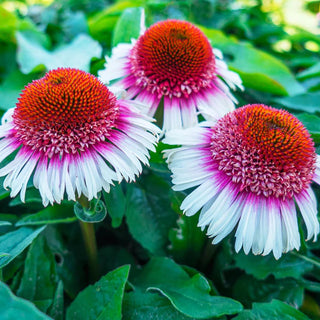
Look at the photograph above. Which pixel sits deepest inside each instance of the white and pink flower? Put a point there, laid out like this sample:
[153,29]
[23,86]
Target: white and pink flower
[173,61]
[250,170]
[72,136]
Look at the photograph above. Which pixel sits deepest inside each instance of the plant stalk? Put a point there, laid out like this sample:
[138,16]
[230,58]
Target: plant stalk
[90,243]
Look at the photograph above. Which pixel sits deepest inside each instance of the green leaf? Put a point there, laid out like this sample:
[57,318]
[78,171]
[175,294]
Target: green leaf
[11,88]
[275,310]
[116,204]
[312,123]
[258,69]
[102,24]
[8,25]
[262,266]
[308,102]
[13,243]
[39,279]
[149,213]
[247,290]
[313,71]
[16,308]
[5,223]
[128,26]
[68,253]
[190,295]
[56,309]
[103,300]
[145,305]
[31,54]
[8,217]
[53,214]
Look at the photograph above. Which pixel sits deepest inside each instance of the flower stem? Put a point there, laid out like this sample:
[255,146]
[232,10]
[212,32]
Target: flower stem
[207,255]
[90,243]
[89,238]
[314,262]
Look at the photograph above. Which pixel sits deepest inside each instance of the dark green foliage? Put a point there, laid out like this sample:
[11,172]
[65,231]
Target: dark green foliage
[153,261]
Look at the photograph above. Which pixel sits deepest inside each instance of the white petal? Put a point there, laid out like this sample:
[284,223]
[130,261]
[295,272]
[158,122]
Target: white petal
[40,181]
[196,199]
[247,226]
[194,136]
[290,224]
[307,204]
[272,227]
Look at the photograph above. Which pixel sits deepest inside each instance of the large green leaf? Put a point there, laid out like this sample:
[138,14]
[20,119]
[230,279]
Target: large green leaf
[313,71]
[308,102]
[275,310]
[39,279]
[149,213]
[103,300]
[261,267]
[101,25]
[77,54]
[247,290]
[14,242]
[190,295]
[128,26]
[11,88]
[13,308]
[258,69]
[53,214]
[68,253]
[139,305]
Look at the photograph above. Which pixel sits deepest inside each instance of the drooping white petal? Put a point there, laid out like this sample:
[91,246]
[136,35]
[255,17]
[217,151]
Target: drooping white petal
[307,204]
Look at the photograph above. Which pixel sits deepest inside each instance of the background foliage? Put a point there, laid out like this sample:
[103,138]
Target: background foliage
[154,263]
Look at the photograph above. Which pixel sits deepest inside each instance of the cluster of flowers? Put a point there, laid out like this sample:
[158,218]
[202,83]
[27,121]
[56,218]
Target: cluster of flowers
[247,167]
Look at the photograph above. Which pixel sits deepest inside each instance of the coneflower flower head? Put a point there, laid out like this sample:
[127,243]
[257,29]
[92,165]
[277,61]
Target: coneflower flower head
[73,136]
[174,61]
[250,168]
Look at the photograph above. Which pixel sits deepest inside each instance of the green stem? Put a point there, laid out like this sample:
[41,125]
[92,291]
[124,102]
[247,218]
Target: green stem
[89,238]
[314,262]
[1,275]
[90,243]
[207,255]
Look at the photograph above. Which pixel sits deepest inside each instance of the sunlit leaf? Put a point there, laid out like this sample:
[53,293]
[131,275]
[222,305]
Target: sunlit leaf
[31,54]
[308,102]
[258,69]
[128,26]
